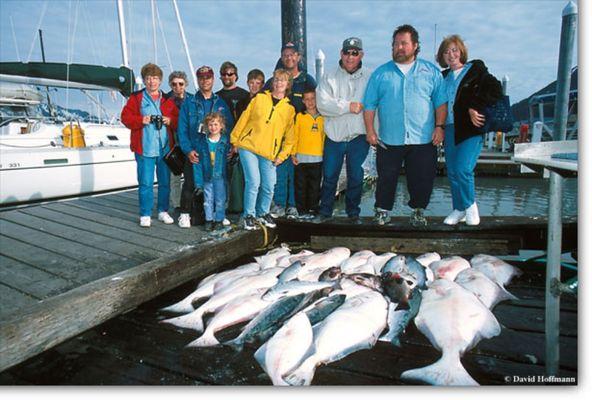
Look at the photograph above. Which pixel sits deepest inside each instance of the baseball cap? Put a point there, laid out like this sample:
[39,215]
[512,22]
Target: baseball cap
[204,72]
[290,45]
[352,43]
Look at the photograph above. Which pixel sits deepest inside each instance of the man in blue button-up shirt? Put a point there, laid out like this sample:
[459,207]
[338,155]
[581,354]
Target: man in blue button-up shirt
[410,99]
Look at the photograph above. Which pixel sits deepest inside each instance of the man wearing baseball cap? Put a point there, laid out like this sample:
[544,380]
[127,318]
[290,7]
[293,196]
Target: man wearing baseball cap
[339,100]
[283,198]
[191,117]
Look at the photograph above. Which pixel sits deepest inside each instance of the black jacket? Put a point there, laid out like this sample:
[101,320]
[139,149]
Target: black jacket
[477,90]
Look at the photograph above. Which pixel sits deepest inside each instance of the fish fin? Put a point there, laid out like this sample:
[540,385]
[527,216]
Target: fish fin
[402,306]
[447,371]
[303,374]
[205,340]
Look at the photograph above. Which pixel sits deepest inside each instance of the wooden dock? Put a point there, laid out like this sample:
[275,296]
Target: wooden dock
[494,235]
[134,349]
[86,265]
[68,266]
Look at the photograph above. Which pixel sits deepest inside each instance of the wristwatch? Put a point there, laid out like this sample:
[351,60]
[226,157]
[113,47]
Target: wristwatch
[440,126]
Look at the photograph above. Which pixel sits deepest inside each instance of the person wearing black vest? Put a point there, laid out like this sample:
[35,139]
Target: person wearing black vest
[469,88]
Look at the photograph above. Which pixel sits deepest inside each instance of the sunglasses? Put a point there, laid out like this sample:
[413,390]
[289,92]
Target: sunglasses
[354,53]
[228,73]
[181,84]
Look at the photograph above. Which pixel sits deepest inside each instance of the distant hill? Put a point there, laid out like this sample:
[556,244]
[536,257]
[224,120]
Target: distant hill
[520,109]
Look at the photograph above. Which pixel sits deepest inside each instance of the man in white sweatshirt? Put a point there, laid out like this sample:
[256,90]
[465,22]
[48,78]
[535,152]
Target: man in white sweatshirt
[339,100]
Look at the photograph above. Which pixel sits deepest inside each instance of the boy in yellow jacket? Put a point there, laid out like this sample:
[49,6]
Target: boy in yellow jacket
[307,156]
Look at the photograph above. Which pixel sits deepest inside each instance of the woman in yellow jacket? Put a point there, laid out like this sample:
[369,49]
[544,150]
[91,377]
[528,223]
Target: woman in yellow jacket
[263,137]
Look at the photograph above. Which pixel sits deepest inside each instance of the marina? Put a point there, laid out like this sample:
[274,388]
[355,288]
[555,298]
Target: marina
[91,297]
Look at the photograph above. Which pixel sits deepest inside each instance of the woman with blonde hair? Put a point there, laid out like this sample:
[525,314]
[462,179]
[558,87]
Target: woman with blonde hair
[469,88]
[263,136]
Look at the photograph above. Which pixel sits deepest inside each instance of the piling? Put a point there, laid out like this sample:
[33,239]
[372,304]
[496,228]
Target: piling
[294,26]
[568,32]
[319,65]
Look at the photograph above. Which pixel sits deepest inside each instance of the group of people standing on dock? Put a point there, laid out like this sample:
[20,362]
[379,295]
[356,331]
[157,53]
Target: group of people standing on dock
[292,136]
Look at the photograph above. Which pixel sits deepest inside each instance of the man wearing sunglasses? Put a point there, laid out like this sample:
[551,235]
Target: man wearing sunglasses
[178,93]
[339,100]
[231,93]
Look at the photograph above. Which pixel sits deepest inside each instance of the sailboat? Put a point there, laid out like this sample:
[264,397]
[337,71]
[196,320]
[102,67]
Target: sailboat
[51,156]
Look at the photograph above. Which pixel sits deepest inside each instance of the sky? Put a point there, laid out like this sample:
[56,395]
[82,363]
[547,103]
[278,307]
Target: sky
[518,39]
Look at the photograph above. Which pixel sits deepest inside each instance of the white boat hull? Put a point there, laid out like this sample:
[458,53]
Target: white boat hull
[38,174]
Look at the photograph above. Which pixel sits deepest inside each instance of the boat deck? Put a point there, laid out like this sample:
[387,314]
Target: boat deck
[134,349]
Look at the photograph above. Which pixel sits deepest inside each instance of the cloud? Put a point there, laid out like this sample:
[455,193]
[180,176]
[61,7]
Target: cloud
[515,38]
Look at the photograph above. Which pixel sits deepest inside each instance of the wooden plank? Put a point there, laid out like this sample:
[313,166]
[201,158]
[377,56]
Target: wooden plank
[32,281]
[82,236]
[49,261]
[533,320]
[105,200]
[66,315]
[413,245]
[131,194]
[96,258]
[94,215]
[123,235]
[129,200]
[12,299]
[103,205]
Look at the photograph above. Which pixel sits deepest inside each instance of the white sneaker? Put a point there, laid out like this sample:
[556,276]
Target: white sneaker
[184,221]
[145,221]
[473,215]
[225,222]
[165,217]
[455,217]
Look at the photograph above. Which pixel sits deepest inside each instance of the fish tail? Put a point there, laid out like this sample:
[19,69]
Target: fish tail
[183,306]
[235,344]
[190,321]
[303,375]
[507,295]
[278,381]
[447,371]
[205,340]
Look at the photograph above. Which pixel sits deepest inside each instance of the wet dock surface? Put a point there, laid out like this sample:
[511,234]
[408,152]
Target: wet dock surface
[70,265]
[51,248]
[135,349]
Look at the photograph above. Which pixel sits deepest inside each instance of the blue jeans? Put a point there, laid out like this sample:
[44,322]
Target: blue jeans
[215,199]
[145,170]
[355,152]
[461,160]
[283,194]
[260,179]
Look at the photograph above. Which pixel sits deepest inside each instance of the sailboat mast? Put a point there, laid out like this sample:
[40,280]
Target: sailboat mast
[122,33]
[152,6]
[185,44]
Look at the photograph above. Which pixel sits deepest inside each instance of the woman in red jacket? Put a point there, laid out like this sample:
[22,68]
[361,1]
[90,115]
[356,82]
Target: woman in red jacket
[152,118]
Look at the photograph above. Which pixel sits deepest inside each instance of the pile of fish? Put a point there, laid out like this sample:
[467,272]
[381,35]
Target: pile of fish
[308,309]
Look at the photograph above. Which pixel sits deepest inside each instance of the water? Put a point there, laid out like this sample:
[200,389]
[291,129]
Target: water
[496,196]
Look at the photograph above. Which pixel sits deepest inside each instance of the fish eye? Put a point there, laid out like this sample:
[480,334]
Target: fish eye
[410,283]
